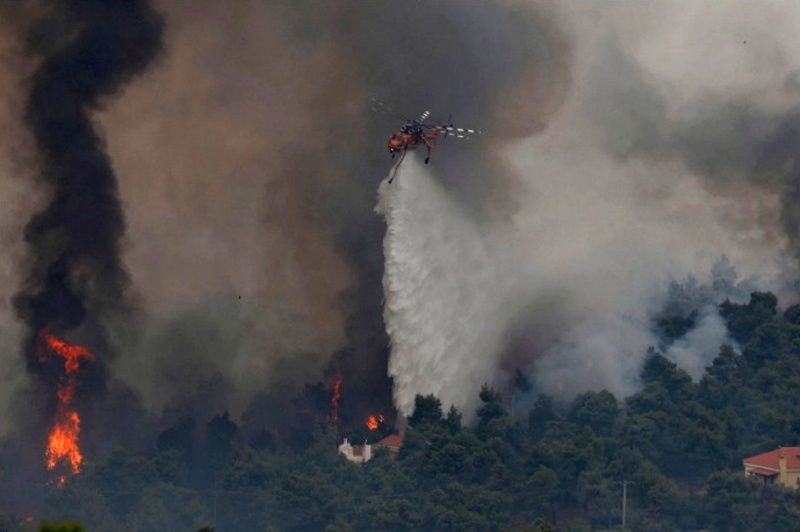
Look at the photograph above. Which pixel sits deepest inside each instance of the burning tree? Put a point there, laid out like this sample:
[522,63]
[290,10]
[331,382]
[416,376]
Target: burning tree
[336,397]
[62,445]
[373,422]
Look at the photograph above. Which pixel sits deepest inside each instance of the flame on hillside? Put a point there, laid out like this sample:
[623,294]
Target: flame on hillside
[62,446]
[336,397]
[373,422]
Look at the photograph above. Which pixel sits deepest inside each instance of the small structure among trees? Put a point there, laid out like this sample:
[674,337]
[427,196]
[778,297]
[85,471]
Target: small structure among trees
[781,465]
[363,453]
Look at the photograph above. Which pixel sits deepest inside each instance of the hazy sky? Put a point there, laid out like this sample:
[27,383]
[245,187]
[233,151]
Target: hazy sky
[625,144]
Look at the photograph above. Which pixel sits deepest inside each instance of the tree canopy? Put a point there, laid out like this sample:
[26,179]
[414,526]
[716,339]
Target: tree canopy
[677,444]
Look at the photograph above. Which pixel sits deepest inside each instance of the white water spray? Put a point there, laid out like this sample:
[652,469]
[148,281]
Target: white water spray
[576,277]
[446,295]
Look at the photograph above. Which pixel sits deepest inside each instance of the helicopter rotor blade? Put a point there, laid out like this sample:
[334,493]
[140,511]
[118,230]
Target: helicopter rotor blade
[462,130]
[457,135]
[447,128]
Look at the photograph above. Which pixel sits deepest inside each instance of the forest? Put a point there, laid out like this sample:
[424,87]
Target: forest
[676,445]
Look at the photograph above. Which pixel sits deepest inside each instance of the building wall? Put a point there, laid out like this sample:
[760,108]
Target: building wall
[789,479]
[346,450]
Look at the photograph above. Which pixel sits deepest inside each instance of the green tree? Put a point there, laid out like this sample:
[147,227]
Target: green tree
[220,434]
[577,525]
[427,410]
[596,496]
[170,467]
[743,320]
[725,365]
[181,438]
[81,500]
[655,493]
[492,417]
[768,343]
[657,369]
[250,468]
[732,504]
[675,324]
[539,525]
[453,420]
[543,411]
[459,507]
[598,410]
[165,508]
[121,479]
[539,494]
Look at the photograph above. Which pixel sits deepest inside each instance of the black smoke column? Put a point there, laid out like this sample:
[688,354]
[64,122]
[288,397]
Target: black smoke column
[88,50]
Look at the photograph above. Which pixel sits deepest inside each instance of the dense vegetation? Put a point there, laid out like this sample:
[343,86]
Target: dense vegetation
[678,445]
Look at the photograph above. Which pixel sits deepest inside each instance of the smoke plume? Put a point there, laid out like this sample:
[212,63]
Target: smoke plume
[75,277]
[249,184]
[624,147]
[639,180]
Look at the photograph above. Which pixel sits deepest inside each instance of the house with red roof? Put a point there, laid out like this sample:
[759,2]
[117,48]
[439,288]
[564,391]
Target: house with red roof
[363,453]
[392,444]
[781,465]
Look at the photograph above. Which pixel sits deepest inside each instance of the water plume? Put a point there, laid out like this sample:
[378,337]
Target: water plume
[446,299]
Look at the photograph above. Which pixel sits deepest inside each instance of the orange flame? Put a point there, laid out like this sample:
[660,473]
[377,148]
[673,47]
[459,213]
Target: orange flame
[373,422]
[62,446]
[335,398]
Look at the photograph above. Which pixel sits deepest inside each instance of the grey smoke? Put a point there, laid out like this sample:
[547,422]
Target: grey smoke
[695,351]
[261,171]
[618,154]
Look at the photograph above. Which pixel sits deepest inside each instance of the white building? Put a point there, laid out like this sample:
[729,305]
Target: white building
[363,453]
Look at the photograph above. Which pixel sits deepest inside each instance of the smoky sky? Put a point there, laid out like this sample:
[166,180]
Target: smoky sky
[653,169]
[735,139]
[72,274]
[248,163]
[465,61]
[87,52]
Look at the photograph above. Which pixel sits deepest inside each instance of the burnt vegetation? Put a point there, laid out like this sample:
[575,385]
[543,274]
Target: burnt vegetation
[678,444]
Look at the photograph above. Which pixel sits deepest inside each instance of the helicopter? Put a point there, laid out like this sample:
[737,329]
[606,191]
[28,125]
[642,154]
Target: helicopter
[415,132]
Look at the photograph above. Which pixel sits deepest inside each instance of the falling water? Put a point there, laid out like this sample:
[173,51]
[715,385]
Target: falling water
[444,292]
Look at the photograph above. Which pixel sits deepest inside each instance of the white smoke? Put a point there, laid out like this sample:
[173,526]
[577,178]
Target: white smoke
[579,273]
[695,351]
[447,295]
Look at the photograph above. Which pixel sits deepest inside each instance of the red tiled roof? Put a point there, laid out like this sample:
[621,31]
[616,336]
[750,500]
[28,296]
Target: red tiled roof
[762,472]
[358,450]
[770,459]
[395,440]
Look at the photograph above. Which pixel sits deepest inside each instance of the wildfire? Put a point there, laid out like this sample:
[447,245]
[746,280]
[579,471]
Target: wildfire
[336,396]
[62,445]
[373,422]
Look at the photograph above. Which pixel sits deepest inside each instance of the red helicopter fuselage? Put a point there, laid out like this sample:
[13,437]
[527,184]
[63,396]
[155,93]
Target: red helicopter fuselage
[411,136]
